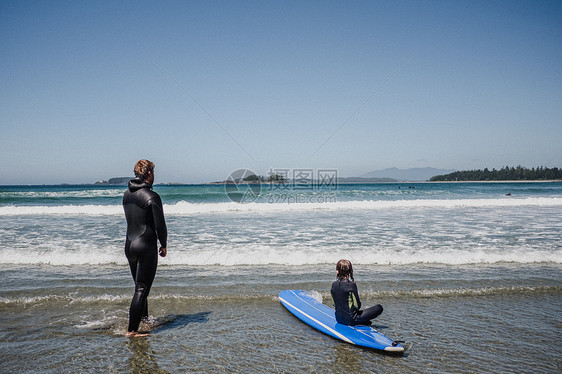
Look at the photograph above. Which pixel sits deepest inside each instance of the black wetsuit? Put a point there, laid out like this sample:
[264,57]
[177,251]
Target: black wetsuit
[348,306]
[145,225]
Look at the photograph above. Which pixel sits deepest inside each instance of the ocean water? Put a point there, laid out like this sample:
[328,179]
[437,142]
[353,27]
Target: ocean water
[469,275]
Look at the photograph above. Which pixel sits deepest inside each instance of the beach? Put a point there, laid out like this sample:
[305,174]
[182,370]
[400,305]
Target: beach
[469,278]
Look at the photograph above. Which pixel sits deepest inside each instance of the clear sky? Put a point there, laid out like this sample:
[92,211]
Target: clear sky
[206,87]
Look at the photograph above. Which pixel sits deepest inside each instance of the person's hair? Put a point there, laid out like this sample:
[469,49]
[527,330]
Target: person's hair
[142,168]
[344,269]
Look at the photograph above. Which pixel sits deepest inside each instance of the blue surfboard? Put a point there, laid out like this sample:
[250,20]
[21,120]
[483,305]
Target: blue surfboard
[323,318]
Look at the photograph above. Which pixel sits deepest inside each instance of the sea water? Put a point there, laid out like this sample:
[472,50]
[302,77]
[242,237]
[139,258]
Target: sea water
[469,275]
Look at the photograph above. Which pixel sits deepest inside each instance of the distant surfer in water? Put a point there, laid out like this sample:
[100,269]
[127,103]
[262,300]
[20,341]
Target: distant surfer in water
[346,298]
[145,225]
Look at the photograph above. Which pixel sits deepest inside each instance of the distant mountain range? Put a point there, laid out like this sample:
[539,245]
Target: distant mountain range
[410,175]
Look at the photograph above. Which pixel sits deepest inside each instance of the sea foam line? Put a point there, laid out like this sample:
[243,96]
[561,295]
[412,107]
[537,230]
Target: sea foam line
[451,292]
[61,194]
[292,256]
[186,208]
[416,293]
[76,299]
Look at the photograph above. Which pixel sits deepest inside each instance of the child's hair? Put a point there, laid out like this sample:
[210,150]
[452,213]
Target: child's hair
[344,269]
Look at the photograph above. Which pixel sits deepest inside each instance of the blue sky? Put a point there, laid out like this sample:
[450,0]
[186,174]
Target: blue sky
[206,87]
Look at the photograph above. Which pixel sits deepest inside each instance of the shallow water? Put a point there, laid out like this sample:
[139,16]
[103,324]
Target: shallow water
[217,319]
[470,279]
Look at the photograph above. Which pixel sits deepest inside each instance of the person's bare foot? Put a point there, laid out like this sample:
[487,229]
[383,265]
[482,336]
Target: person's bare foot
[135,334]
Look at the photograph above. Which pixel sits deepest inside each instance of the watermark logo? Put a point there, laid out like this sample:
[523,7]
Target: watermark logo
[283,186]
[299,186]
[302,179]
[242,186]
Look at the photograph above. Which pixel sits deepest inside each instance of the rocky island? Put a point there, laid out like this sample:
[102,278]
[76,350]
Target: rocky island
[115,181]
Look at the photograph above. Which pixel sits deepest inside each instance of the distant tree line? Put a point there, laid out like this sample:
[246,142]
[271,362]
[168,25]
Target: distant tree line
[504,174]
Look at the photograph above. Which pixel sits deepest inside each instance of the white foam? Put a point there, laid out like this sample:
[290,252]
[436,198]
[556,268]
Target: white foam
[84,256]
[258,254]
[92,210]
[69,299]
[290,255]
[62,194]
[185,208]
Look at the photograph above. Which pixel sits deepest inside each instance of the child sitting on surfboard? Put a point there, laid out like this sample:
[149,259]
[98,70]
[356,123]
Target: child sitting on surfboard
[346,298]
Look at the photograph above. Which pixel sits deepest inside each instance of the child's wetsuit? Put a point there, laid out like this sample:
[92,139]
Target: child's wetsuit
[348,305]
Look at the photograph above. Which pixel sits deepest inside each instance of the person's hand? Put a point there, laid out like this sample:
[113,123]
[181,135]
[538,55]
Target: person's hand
[163,251]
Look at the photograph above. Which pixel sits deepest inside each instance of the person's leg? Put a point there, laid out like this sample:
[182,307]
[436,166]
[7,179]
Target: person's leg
[369,314]
[145,272]
[133,264]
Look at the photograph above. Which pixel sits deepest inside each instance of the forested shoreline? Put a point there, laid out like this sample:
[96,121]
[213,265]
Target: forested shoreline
[504,174]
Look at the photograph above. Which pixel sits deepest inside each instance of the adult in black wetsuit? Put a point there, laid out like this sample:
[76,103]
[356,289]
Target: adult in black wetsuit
[145,225]
[346,298]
